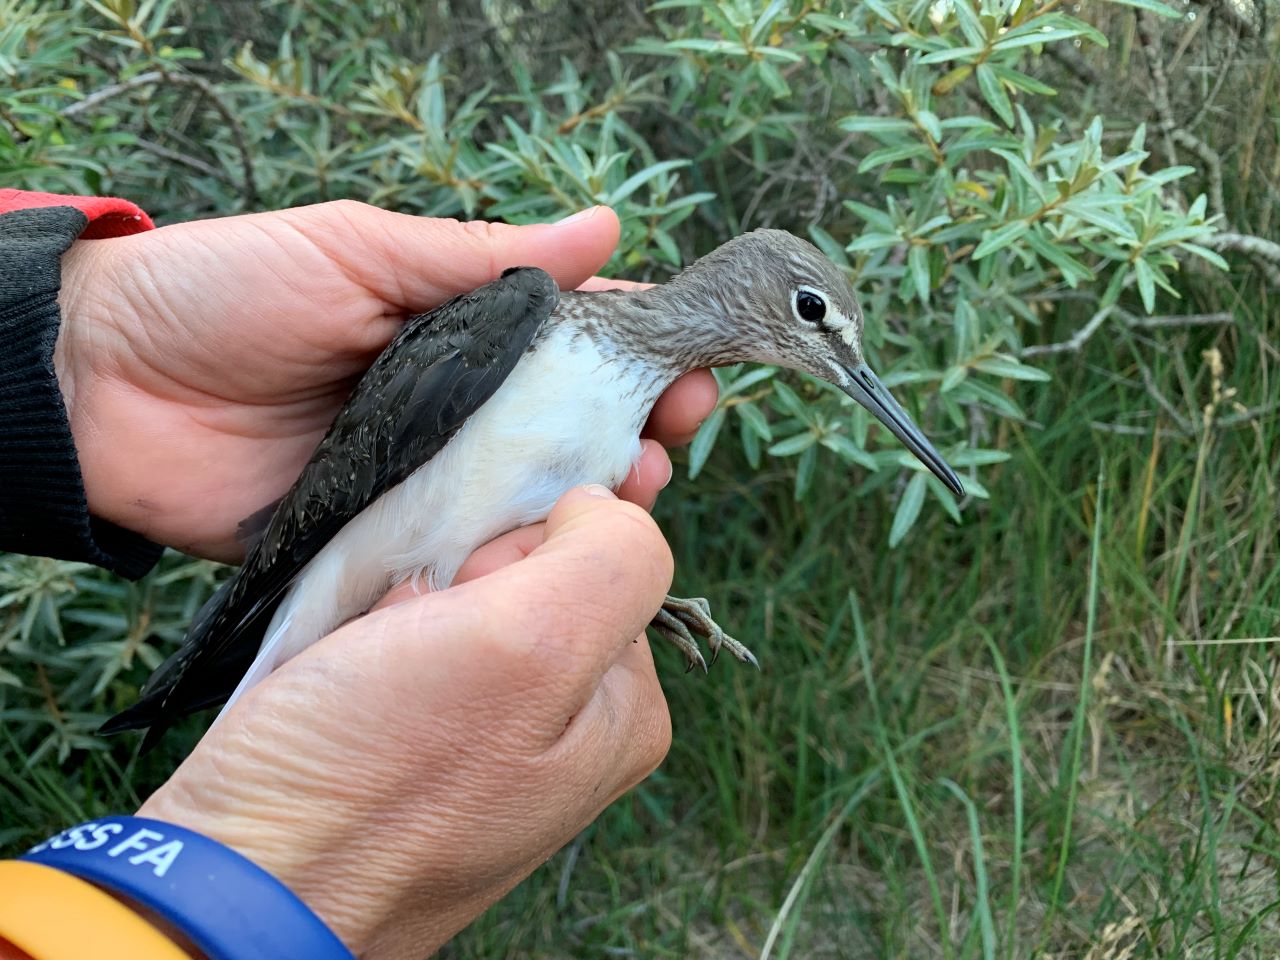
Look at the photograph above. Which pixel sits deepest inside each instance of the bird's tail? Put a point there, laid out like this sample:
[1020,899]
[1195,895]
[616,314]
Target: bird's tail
[198,675]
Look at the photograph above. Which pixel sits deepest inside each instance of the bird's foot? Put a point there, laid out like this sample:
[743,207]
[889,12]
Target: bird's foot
[680,620]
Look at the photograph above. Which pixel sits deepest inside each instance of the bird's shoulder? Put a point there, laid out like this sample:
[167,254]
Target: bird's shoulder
[438,370]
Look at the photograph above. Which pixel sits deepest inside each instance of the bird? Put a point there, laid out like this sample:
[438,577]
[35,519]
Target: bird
[477,417]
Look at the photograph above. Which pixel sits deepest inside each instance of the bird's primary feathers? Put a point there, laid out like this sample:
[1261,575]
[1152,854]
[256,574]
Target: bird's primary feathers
[478,416]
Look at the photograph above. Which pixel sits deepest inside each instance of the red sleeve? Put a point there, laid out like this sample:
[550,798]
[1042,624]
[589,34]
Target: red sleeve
[108,216]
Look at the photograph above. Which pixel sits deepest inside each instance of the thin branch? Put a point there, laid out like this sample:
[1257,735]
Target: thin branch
[1265,254]
[1069,58]
[1212,161]
[114,90]
[1078,340]
[233,123]
[1186,320]
[1248,415]
[1227,423]
[186,160]
[1148,34]
[1253,246]
[154,77]
[1154,393]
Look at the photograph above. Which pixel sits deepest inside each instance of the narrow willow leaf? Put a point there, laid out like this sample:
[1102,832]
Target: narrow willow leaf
[1105,219]
[704,442]
[984,393]
[908,511]
[832,24]
[977,457]
[789,402]
[793,445]
[873,241]
[1073,271]
[637,180]
[953,378]
[1000,238]
[907,151]
[1153,5]
[951,53]
[845,448]
[804,471]
[773,79]
[944,496]
[1207,254]
[747,381]
[1008,367]
[876,125]
[928,120]
[994,93]
[755,419]
[1013,40]
[750,444]
[918,265]
[700,45]
[1146,284]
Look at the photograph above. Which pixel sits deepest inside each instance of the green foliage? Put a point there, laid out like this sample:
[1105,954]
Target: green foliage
[946,149]
[931,763]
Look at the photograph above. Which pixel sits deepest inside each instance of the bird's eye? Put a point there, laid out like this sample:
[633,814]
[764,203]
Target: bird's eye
[810,306]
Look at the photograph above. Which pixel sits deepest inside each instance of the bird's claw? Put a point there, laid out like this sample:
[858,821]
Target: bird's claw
[679,620]
[672,629]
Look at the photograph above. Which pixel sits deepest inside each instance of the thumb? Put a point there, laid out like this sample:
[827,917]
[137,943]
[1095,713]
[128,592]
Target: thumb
[415,263]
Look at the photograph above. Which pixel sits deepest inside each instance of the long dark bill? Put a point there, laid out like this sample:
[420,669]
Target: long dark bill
[865,387]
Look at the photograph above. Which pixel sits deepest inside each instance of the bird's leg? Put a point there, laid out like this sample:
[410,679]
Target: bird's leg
[679,620]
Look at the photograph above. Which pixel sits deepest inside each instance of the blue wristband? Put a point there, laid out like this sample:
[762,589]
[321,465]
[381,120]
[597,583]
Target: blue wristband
[230,907]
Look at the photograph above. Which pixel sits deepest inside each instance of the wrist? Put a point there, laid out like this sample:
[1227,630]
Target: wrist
[81,360]
[345,868]
[221,902]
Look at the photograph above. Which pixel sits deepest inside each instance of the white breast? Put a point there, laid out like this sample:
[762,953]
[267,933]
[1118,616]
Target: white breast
[566,415]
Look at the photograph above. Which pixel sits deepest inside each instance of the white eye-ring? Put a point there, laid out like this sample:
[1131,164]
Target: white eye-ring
[809,305]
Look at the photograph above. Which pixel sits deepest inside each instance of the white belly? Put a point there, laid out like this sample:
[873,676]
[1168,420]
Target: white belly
[566,415]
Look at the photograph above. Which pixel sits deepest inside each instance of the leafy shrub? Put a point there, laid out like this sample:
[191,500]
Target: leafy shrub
[956,199]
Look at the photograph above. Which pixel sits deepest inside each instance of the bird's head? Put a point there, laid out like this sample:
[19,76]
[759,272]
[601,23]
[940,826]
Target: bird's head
[779,300]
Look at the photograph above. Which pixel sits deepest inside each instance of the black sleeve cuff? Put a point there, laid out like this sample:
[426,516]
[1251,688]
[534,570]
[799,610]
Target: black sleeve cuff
[43,510]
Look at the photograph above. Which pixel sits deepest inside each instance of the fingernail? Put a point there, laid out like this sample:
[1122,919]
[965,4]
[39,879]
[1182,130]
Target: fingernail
[596,490]
[670,473]
[575,217]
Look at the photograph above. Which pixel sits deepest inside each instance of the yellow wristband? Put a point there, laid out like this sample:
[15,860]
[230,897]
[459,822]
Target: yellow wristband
[54,916]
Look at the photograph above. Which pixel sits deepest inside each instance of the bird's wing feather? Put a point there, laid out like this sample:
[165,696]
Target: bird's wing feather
[440,369]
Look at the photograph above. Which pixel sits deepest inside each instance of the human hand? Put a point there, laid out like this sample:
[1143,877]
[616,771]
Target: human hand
[410,768]
[202,362]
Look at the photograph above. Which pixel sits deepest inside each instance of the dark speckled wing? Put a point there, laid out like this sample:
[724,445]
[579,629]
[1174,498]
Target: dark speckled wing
[440,369]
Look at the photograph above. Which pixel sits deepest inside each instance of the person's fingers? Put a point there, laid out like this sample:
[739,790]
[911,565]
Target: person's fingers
[417,262]
[682,408]
[556,620]
[608,283]
[623,732]
[648,475]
